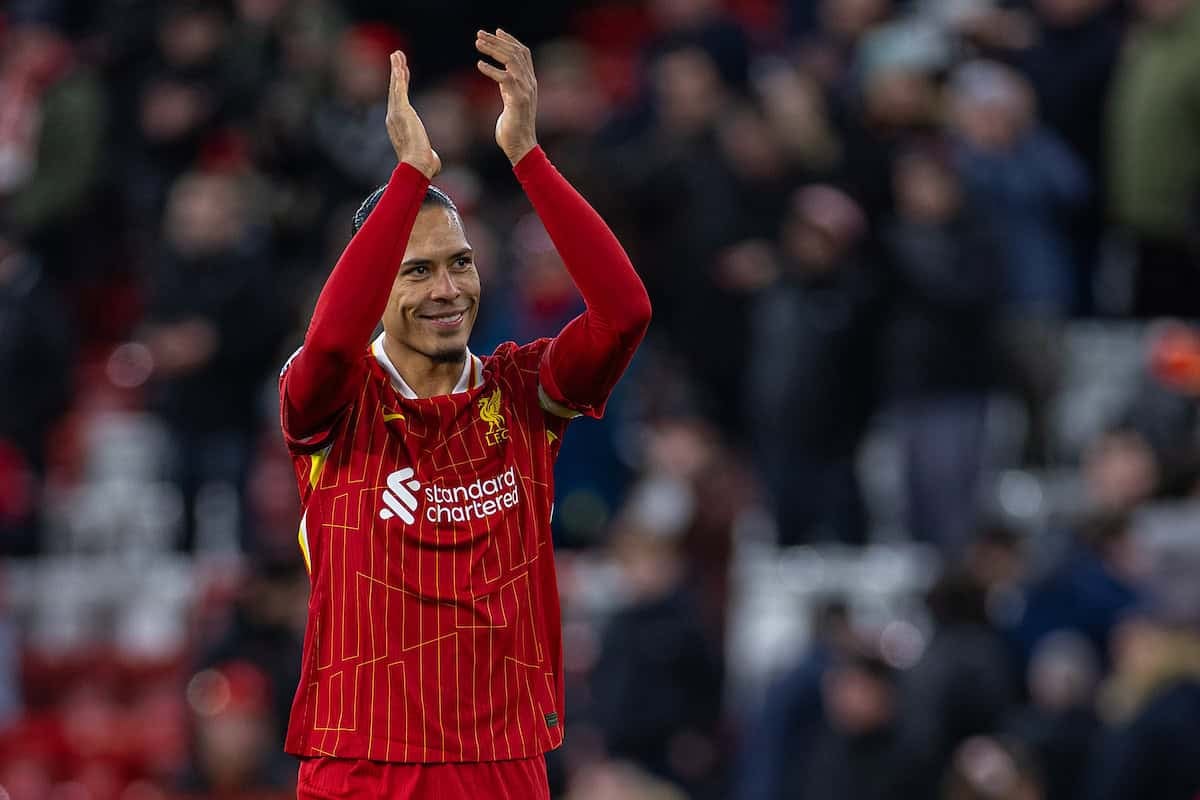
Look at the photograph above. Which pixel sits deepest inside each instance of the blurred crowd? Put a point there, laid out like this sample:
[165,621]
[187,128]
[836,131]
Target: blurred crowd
[922,274]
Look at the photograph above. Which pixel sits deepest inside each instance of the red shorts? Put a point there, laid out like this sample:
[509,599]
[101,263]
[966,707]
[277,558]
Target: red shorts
[341,779]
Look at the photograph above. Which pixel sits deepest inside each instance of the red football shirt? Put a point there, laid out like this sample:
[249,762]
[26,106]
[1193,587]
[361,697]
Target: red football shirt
[434,629]
[433,632]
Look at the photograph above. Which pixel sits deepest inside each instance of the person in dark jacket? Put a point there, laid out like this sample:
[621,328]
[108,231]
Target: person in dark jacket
[1089,592]
[962,686]
[865,752]
[1027,177]
[213,332]
[657,682]
[1060,725]
[940,343]
[810,390]
[1152,702]
[1071,65]
[780,738]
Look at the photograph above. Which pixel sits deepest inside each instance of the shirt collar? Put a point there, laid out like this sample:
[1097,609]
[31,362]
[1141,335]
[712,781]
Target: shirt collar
[472,374]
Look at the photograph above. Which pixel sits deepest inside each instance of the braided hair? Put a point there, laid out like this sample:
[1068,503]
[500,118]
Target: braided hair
[433,196]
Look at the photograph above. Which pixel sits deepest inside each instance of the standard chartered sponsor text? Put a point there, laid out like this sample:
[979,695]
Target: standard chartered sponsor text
[474,501]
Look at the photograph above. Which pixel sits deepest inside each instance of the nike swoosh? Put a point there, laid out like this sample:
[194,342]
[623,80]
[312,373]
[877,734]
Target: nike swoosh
[388,417]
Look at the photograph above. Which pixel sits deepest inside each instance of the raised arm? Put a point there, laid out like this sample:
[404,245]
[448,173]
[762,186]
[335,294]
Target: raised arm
[586,359]
[318,382]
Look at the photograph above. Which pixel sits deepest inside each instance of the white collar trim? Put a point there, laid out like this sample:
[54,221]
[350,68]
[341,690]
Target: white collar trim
[472,374]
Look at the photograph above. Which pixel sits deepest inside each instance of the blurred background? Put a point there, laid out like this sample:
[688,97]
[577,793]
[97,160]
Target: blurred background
[898,499]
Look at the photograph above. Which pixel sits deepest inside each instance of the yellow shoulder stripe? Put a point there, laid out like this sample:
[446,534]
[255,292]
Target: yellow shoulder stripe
[317,465]
[303,538]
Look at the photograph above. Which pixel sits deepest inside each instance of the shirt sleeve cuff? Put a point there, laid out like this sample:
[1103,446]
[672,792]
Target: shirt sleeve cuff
[531,163]
[407,171]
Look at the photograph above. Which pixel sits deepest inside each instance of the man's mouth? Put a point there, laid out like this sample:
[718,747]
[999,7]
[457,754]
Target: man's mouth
[449,320]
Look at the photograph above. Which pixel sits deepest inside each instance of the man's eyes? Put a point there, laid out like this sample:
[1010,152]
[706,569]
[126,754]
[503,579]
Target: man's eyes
[422,270]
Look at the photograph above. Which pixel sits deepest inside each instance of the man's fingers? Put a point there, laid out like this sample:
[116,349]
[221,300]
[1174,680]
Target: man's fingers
[521,50]
[399,84]
[491,37]
[514,49]
[495,73]
[508,37]
[504,48]
[496,48]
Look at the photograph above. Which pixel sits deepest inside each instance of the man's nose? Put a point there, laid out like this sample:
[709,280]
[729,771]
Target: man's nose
[444,286]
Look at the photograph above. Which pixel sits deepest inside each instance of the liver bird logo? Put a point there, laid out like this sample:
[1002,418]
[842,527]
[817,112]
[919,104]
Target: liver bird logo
[489,412]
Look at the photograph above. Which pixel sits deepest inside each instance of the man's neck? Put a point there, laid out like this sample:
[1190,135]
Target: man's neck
[425,376]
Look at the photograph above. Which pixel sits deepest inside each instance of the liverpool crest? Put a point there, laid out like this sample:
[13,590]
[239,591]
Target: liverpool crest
[489,412]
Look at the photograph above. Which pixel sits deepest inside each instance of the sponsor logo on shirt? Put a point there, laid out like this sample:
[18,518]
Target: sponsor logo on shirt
[400,499]
[477,500]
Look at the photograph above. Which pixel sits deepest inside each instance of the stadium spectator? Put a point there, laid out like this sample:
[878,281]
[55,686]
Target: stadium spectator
[211,329]
[1089,591]
[863,751]
[778,740]
[348,127]
[798,113]
[1070,65]
[658,677]
[1061,727]
[941,345]
[1153,161]
[234,734]
[1152,699]
[895,98]
[264,635]
[704,24]
[1120,469]
[986,768]
[177,102]
[810,385]
[962,686]
[51,142]
[1028,179]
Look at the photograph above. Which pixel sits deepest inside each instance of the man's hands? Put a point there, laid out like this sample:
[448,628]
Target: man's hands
[404,127]
[515,128]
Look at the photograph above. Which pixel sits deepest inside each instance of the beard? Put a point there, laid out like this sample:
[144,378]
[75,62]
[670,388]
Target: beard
[453,354]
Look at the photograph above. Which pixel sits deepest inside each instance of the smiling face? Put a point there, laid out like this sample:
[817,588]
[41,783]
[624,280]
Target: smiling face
[435,297]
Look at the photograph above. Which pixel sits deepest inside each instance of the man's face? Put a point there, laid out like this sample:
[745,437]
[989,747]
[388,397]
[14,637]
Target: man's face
[858,701]
[435,297]
[810,249]
[360,75]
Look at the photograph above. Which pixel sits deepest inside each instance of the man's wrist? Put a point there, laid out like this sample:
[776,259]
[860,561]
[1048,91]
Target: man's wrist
[518,153]
[425,168]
